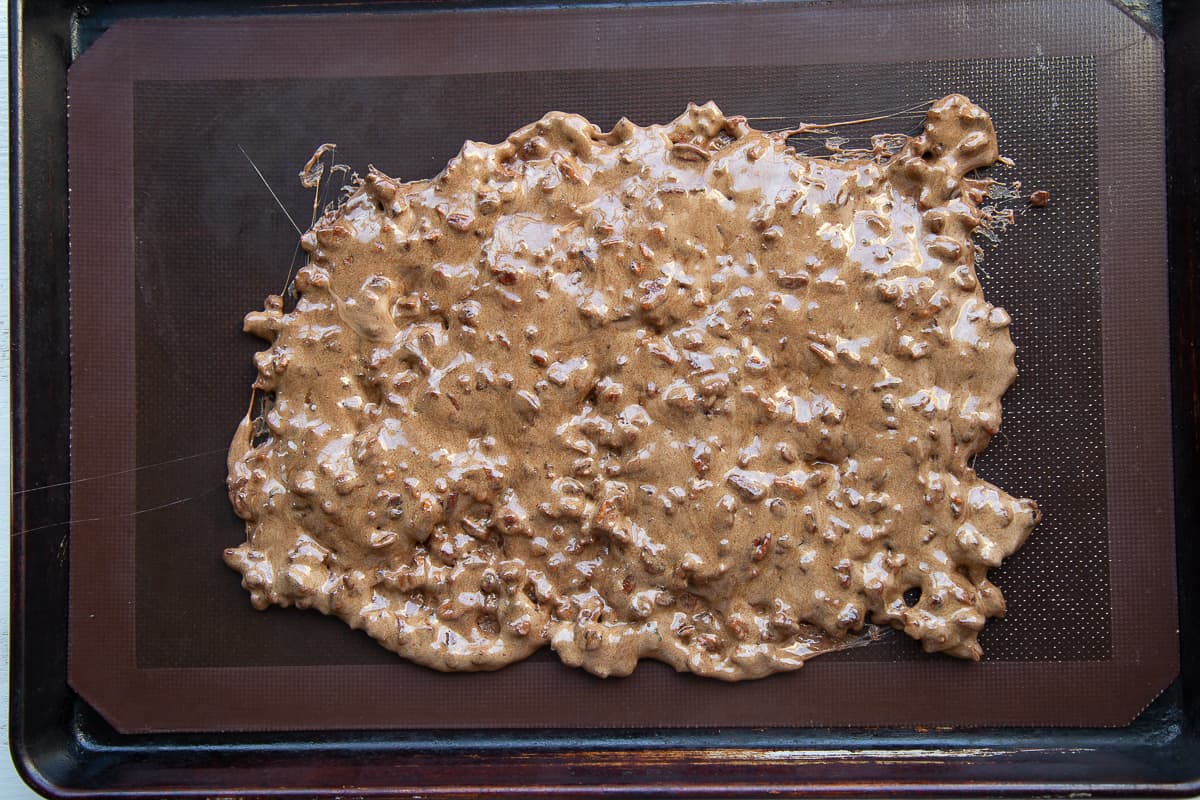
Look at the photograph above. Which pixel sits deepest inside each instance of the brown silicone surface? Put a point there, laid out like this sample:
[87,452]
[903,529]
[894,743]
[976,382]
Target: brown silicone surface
[203,241]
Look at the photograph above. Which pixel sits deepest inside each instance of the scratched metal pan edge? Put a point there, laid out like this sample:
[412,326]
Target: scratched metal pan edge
[63,747]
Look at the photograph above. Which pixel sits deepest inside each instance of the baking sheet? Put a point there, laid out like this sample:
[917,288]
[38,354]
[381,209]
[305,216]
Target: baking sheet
[174,238]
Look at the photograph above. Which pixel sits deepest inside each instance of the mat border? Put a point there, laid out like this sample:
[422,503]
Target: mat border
[103,617]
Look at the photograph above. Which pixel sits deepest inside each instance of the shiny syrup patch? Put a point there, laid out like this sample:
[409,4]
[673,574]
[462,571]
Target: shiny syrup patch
[672,392]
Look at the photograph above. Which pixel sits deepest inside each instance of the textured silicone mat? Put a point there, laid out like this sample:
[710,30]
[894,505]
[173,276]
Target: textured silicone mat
[184,238]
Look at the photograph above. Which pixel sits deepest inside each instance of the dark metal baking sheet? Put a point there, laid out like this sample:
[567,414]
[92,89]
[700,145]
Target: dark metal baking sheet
[983,754]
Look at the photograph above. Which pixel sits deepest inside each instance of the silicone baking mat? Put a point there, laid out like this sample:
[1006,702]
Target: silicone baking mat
[174,237]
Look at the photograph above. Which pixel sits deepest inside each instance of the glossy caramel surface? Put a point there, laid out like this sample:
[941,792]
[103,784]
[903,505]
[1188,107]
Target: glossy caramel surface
[672,392]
